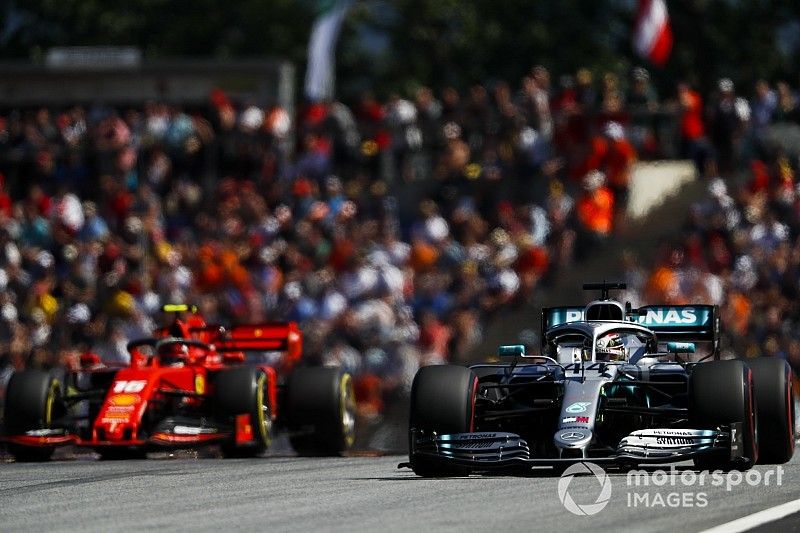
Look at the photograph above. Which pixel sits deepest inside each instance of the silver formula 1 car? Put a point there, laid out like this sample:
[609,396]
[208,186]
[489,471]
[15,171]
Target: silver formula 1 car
[613,385]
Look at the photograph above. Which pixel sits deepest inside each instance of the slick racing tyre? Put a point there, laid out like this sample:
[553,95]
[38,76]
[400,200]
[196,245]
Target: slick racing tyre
[772,384]
[33,401]
[442,401]
[239,391]
[721,393]
[320,410]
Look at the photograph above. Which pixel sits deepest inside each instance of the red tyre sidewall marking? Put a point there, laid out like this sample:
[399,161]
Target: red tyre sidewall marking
[473,391]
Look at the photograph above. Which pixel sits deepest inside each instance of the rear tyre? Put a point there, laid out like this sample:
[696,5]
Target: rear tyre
[721,393]
[239,391]
[442,401]
[772,385]
[320,410]
[33,401]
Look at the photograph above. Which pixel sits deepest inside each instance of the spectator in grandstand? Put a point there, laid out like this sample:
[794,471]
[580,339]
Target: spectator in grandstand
[728,116]
[613,155]
[595,212]
[642,102]
[764,105]
[786,109]
[693,142]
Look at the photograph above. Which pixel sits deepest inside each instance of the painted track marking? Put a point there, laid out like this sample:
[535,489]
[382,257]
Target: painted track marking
[757,519]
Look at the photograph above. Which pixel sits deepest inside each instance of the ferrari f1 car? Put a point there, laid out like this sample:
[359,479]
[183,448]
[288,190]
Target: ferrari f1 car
[613,385]
[191,384]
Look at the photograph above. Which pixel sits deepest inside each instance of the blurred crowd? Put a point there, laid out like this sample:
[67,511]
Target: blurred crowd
[392,230]
[739,247]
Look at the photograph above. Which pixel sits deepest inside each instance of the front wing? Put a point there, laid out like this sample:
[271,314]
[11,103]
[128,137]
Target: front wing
[173,432]
[486,451]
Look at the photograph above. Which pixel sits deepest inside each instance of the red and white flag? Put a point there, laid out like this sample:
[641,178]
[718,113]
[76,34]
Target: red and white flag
[653,36]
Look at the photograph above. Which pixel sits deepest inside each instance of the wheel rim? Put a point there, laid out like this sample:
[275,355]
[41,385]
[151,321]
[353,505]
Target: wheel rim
[263,419]
[49,402]
[348,410]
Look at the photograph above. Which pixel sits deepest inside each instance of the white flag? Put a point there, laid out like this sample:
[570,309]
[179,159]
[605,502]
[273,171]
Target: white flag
[320,73]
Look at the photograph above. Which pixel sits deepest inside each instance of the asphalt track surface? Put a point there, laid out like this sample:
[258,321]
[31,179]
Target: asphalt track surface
[284,493]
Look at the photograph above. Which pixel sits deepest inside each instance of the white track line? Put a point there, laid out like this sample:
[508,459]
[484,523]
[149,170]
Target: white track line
[756,519]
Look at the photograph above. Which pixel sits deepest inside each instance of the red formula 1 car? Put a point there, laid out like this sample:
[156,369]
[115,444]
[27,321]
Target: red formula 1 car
[191,384]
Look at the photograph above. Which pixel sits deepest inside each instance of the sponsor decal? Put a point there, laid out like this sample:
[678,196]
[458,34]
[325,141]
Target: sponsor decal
[200,384]
[192,430]
[476,436]
[563,315]
[571,436]
[120,408]
[675,432]
[123,400]
[668,316]
[668,439]
[577,407]
[115,418]
[574,316]
[655,316]
[674,440]
[129,386]
[578,419]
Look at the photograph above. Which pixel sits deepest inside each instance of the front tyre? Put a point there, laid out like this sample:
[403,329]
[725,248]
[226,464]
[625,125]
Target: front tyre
[721,393]
[240,391]
[33,401]
[772,384]
[442,401]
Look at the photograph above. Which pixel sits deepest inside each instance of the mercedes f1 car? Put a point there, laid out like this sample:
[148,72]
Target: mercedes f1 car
[612,385]
[191,384]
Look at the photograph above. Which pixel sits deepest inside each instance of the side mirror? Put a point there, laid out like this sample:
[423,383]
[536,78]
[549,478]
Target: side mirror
[90,360]
[680,347]
[511,350]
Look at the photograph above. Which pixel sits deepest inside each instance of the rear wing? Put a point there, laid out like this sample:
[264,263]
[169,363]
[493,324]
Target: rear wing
[267,337]
[681,323]
[671,323]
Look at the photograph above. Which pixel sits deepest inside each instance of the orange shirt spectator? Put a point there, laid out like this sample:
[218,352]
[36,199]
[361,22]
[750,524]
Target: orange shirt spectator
[739,313]
[596,210]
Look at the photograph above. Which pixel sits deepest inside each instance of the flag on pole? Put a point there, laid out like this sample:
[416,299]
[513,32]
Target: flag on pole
[320,73]
[653,36]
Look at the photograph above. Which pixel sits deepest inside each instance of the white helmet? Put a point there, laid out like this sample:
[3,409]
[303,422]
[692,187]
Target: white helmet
[610,347]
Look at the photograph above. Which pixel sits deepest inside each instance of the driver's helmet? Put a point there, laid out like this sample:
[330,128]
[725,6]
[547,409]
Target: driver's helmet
[172,352]
[610,347]
[179,329]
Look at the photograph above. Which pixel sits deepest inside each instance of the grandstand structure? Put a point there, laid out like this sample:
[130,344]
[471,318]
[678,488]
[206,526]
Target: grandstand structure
[114,76]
